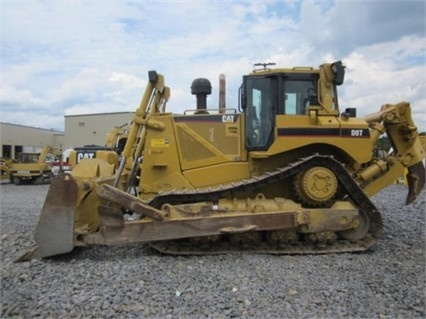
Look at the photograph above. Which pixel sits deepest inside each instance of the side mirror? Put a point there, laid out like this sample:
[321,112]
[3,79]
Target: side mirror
[153,77]
[339,72]
[242,99]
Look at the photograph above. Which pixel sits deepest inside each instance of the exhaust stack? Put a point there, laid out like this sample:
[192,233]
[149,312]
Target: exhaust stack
[222,93]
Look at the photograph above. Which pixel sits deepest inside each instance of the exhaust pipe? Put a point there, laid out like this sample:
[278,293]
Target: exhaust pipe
[222,94]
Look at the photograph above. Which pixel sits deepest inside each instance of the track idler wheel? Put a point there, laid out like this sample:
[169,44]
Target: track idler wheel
[360,228]
[316,186]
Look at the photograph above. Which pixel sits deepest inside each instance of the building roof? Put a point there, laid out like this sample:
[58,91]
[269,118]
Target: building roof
[33,127]
[98,114]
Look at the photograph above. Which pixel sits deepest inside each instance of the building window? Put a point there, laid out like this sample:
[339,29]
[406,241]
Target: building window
[81,124]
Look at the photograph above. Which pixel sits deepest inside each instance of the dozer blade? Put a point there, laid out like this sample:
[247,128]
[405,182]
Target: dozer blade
[55,229]
[415,180]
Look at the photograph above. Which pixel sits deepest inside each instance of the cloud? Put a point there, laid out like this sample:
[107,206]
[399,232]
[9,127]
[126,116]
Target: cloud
[383,73]
[27,117]
[343,26]
[15,98]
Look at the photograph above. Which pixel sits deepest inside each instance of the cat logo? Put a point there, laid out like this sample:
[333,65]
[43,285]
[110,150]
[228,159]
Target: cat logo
[82,155]
[228,118]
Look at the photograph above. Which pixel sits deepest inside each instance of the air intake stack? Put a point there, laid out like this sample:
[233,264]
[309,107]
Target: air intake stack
[201,88]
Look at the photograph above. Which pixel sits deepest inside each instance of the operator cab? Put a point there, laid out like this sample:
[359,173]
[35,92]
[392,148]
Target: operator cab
[266,93]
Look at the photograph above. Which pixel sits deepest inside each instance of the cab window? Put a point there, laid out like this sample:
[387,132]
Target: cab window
[299,94]
[259,112]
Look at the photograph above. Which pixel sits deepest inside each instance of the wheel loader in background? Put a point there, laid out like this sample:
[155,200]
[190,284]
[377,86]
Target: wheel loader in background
[288,172]
[33,167]
[6,169]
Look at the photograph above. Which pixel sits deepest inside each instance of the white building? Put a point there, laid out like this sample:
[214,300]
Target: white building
[80,130]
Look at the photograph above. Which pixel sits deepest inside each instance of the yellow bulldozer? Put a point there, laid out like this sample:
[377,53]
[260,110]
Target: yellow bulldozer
[285,172]
[32,168]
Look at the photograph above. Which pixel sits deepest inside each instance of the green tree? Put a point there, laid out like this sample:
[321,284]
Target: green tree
[383,143]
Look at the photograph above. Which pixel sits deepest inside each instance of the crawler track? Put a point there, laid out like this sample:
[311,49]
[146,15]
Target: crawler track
[348,186]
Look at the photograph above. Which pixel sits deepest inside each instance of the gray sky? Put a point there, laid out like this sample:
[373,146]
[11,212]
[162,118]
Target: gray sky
[80,57]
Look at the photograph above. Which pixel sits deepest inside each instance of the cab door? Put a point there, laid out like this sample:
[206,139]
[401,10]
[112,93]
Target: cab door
[260,112]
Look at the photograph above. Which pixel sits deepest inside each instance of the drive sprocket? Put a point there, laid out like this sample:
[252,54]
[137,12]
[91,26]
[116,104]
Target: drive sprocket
[316,186]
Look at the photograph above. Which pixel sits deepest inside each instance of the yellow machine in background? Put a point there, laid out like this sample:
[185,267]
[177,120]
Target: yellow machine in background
[32,167]
[6,169]
[117,137]
[288,171]
[115,141]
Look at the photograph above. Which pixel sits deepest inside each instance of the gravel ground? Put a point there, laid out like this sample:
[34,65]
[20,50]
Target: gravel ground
[136,282]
